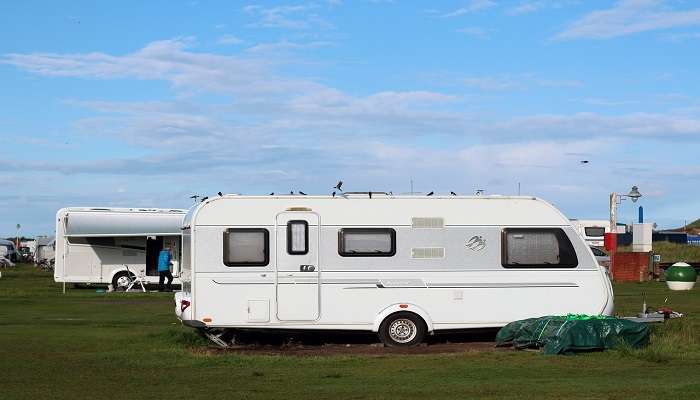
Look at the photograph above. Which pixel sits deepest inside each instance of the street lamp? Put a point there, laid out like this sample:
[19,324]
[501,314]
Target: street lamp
[616,199]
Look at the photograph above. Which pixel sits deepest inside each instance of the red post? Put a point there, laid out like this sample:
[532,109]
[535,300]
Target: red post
[611,247]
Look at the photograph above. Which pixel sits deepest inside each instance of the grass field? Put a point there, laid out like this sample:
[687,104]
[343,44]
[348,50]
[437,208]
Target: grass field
[116,345]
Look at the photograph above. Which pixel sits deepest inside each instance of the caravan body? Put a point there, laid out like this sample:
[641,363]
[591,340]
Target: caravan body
[356,263]
[98,245]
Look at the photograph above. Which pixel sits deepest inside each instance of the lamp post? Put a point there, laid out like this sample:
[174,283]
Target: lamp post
[17,237]
[616,199]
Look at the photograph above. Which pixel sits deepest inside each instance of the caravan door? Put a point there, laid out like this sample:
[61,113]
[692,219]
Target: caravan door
[297,266]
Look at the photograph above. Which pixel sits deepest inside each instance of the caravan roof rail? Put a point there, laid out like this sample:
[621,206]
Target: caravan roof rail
[348,195]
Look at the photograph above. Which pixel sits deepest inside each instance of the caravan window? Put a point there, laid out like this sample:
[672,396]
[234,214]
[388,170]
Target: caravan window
[537,248]
[246,247]
[594,231]
[367,242]
[297,237]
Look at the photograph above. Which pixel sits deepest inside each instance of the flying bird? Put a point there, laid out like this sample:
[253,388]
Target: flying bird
[453,193]
[338,186]
[584,161]
[430,194]
[302,193]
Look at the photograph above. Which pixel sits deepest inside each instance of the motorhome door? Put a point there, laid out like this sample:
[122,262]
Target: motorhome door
[297,266]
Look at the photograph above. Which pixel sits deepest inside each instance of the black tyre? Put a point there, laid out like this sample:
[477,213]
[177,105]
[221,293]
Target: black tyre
[121,280]
[402,329]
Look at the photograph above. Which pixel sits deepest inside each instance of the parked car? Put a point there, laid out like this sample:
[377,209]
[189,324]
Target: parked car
[602,257]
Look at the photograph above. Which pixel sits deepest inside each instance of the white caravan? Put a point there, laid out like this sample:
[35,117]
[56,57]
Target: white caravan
[8,250]
[402,266]
[45,249]
[115,245]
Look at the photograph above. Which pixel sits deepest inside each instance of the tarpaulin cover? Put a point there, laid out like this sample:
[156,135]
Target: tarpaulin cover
[572,333]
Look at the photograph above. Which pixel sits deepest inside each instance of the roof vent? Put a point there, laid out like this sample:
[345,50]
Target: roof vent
[427,222]
[427,252]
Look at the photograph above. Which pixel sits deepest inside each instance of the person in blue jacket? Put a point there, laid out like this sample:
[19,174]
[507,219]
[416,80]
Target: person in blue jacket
[164,261]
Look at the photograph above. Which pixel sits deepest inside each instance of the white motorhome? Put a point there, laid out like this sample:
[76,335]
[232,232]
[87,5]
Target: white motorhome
[594,230]
[115,245]
[401,266]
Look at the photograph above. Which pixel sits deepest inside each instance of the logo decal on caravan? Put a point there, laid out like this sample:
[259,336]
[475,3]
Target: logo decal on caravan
[476,243]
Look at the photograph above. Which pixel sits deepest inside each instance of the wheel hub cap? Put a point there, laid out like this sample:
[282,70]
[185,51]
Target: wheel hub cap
[402,330]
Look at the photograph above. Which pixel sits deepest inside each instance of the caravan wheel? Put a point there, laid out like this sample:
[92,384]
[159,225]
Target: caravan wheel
[402,329]
[122,280]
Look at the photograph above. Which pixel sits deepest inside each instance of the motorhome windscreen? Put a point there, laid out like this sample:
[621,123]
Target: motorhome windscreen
[594,231]
[367,242]
[537,248]
[246,247]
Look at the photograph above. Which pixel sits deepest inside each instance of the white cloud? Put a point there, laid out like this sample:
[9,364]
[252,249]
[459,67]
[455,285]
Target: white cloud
[526,7]
[229,39]
[474,31]
[470,7]
[628,17]
[285,45]
[514,82]
[300,16]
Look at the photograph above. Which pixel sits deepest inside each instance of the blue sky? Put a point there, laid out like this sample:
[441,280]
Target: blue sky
[141,105]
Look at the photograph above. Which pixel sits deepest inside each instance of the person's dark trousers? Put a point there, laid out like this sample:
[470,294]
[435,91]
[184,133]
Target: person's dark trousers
[161,278]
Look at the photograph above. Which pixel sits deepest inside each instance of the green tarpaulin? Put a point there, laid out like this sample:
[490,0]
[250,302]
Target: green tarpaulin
[572,333]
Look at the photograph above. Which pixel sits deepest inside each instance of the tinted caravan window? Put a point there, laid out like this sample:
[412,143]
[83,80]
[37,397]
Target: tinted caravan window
[537,248]
[246,247]
[594,231]
[367,242]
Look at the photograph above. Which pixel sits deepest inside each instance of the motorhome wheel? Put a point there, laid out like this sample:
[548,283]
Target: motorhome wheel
[402,329]
[122,280]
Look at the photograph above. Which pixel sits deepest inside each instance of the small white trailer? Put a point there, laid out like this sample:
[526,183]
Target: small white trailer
[115,245]
[593,230]
[402,266]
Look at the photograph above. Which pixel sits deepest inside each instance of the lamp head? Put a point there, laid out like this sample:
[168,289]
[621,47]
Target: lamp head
[634,194]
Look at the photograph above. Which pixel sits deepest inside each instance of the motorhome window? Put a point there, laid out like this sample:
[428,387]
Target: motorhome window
[297,237]
[537,248]
[246,247]
[594,231]
[367,242]
[93,241]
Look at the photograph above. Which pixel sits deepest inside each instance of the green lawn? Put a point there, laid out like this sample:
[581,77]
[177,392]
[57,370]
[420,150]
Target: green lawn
[115,345]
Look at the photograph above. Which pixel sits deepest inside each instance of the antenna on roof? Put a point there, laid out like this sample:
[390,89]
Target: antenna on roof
[453,193]
[194,197]
[220,194]
[480,192]
[204,199]
[302,193]
[431,193]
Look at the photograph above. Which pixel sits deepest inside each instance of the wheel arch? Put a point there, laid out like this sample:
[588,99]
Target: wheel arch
[402,307]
